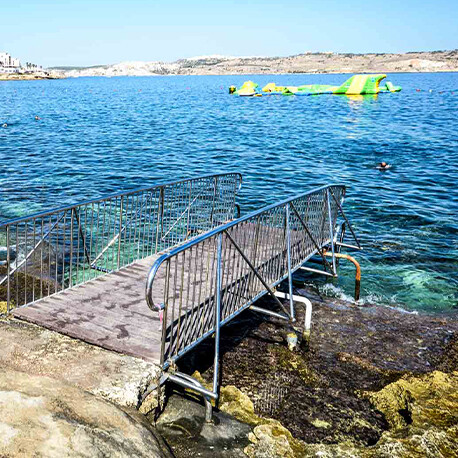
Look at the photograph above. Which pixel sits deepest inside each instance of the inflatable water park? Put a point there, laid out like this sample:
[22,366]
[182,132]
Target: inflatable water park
[356,85]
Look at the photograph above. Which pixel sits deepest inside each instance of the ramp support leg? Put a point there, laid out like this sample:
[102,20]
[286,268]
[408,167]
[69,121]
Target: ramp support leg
[308,312]
[187,381]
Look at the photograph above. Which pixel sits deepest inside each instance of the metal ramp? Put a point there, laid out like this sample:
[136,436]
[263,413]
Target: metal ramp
[81,270]
[200,286]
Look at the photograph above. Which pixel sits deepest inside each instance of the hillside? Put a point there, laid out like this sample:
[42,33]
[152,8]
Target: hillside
[436,61]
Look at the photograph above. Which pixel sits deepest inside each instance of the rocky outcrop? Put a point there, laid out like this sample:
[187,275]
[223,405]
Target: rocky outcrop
[37,351]
[43,417]
[374,382]
[38,75]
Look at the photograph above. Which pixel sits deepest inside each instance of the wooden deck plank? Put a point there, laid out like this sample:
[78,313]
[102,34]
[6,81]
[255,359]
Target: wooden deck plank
[109,311]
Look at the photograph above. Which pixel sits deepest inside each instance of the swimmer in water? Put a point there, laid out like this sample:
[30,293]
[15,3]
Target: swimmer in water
[383,166]
[37,118]
[4,124]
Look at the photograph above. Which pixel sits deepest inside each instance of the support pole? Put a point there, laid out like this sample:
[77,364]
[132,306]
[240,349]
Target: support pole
[251,266]
[331,233]
[187,381]
[308,312]
[290,274]
[218,313]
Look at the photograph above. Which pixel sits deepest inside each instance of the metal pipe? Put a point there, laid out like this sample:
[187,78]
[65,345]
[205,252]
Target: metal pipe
[357,274]
[331,233]
[316,271]
[268,312]
[346,245]
[217,314]
[308,312]
[311,237]
[271,292]
[193,384]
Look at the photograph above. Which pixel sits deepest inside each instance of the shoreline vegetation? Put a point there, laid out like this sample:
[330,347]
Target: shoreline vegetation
[414,62]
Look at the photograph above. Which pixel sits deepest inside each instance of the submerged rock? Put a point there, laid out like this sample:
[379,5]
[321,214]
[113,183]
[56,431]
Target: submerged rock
[43,417]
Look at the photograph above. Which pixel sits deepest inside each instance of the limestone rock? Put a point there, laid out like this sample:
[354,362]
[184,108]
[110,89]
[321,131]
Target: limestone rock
[269,441]
[37,351]
[43,417]
[420,401]
[239,405]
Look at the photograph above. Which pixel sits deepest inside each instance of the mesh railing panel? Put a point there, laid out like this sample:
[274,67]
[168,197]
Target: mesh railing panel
[184,282]
[53,251]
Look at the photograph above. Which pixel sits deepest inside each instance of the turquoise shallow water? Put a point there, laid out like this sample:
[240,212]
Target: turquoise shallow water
[104,135]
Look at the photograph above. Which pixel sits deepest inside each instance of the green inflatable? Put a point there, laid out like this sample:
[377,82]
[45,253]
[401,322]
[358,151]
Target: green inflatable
[356,85]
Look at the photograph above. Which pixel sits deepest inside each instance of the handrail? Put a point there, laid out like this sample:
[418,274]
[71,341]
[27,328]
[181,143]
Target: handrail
[207,281]
[220,229]
[321,216]
[114,196]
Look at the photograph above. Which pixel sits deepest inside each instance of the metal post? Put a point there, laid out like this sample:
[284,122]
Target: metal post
[8,260]
[212,215]
[288,252]
[120,233]
[160,219]
[331,233]
[218,313]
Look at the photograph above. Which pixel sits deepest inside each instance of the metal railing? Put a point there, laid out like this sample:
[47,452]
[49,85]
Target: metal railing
[52,251]
[205,283]
[233,265]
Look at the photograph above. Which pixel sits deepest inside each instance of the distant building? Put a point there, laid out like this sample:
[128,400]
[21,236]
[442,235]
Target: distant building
[9,62]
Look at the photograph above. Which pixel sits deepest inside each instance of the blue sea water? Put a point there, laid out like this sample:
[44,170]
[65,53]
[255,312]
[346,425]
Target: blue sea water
[105,135]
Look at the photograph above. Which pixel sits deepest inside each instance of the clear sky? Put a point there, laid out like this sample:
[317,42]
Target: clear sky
[91,32]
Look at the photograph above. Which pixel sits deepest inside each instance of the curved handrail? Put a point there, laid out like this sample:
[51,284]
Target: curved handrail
[157,264]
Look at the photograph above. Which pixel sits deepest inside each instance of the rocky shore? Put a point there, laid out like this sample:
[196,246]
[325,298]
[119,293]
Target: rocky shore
[438,61]
[39,75]
[371,382]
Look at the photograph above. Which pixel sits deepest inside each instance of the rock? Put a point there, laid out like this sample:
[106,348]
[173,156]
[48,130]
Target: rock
[182,424]
[269,441]
[43,417]
[429,400]
[239,405]
[37,351]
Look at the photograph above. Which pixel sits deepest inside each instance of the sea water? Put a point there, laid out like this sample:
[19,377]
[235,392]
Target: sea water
[98,136]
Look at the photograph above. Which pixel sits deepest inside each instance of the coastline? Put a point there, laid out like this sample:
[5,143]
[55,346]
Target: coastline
[308,63]
[371,382]
[29,76]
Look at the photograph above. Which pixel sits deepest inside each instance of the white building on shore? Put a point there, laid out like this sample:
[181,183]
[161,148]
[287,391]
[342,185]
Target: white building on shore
[9,63]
